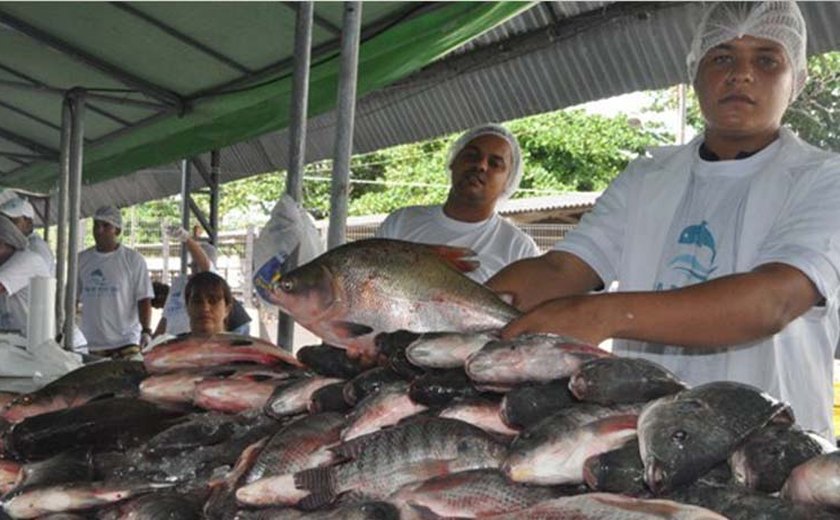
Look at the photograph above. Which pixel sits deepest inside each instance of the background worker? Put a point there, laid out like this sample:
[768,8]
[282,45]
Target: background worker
[115,291]
[726,250]
[22,214]
[486,166]
[17,266]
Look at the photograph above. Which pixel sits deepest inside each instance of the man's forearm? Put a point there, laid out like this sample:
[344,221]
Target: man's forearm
[726,311]
[144,313]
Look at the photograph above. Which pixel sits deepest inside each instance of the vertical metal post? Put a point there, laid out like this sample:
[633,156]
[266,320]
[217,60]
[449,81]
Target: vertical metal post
[61,219]
[164,242]
[344,123]
[76,98]
[297,139]
[46,220]
[682,113]
[133,222]
[185,209]
[215,168]
[247,265]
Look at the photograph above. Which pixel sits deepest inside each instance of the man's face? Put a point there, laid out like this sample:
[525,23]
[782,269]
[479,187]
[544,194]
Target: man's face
[480,170]
[24,224]
[744,87]
[105,235]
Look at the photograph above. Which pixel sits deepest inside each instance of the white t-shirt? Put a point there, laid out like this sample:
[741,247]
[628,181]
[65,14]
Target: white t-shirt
[15,274]
[40,247]
[495,241]
[110,285]
[789,215]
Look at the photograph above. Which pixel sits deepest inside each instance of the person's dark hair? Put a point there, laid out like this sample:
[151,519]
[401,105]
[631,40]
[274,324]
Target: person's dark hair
[161,292]
[207,282]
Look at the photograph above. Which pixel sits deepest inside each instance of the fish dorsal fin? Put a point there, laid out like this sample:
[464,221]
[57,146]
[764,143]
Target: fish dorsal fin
[457,257]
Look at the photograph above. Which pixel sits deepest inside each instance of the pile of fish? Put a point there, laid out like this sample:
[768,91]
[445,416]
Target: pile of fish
[443,422]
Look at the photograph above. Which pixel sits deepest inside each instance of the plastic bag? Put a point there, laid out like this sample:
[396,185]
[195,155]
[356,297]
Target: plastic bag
[289,227]
[45,361]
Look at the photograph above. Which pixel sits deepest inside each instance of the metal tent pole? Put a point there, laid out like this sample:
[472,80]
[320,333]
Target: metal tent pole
[76,98]
[297,140]
[215,170]
[344,123]
[61,220]
[185,209]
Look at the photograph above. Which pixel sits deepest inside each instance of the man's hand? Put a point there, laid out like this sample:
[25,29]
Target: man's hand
[145,338]
[177,233]
[581,317]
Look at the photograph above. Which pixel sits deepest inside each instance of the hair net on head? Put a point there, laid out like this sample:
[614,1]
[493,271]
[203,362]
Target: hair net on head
[515,174]
[11,235]
[779,21]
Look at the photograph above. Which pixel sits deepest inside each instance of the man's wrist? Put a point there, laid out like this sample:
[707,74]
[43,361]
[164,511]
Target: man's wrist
[146,330]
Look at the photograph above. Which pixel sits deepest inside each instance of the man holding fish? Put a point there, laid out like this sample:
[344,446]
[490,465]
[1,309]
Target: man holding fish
[726,251]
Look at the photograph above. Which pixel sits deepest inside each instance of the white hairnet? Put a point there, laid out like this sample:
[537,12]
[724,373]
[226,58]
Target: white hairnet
[110,215]
[515,174]
[779,21]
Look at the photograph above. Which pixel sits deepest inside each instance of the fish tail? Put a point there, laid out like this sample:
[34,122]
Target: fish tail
[321,483]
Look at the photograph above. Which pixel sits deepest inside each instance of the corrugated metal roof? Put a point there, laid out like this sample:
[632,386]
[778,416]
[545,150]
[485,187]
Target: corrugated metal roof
[552,56]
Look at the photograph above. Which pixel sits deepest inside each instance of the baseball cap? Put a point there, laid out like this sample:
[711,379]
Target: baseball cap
[17,207]
[109,214]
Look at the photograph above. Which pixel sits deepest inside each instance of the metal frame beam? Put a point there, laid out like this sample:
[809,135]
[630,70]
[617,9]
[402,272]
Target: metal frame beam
[28,143]
[125,77]
[195,44]
[29,115]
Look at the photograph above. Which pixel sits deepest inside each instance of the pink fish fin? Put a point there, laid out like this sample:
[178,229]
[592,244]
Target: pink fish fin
[618,422]
[424,513]
[457,257]
[350,330]
[321,483]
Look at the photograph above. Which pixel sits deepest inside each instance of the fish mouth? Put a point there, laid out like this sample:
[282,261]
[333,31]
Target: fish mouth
[655,476]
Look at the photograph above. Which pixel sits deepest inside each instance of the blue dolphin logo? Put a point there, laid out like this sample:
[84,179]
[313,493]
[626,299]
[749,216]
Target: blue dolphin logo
[699,235]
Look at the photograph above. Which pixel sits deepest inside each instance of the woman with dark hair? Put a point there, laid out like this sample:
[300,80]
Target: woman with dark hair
[209,303]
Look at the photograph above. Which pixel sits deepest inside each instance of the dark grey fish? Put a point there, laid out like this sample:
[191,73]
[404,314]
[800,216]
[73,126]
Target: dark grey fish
[353,511]
[330,361]
[526,405]
[816,481]
[439,388]
[367,383]
[329,398]
[110,423]
[683,436]
[199,429]
[71,466]
[738,503]
[388,343]
[85,384]
[617,471]
[764,461]
[162,505]
[618,380]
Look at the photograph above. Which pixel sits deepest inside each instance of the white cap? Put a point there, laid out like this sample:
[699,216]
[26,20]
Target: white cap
[109,214]
[779,21]
[515,174]
[17,207]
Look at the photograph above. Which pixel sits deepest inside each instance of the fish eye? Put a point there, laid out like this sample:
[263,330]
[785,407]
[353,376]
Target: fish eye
[464,446]
[287,285]
[679,437]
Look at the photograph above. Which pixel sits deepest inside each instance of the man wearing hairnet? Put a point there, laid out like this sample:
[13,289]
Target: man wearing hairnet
[726,251]
[22,214]
[17,266]
[115,291]
[486,166]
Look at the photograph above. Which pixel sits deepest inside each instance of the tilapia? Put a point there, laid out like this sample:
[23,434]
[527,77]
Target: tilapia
[479,411]
[69,466]
[73,497]
[554,453]
[816,481]
[9,475]
[386,407]
[85,384]
[471,494]
[617,380]
[367,383]
[329,361]
[351,293]
[529,358]
[351,511]
[155,506]
[294,398]
[606,506]
[684,435]
[382,462]
[528,404]
[439,388]
[300,445]
[234,395]
[738,503]
[617,471]
[446,349]
[328,398]
[186,352]
[766,458]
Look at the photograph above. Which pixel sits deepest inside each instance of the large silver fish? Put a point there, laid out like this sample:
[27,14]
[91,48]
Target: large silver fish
[352,293]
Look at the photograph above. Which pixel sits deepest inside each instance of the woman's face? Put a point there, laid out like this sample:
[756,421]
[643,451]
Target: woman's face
[207,310]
